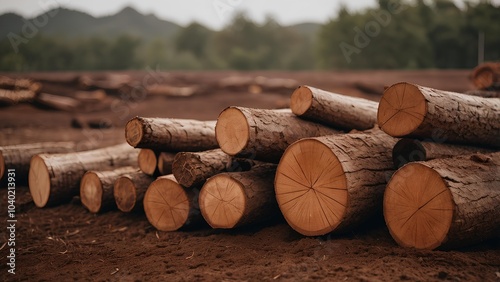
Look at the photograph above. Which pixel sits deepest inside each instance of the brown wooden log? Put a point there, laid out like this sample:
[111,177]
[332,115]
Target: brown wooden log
[55,178]
[411,150]
[148,161]
[91,96]
[57,102]
[484,93]
[234,199]
[445,203]
[129,190]
[19,84]
[191,168]
[13,97]
[333,183]
[169,206]
[335,110]
[171,135]
[487,76]
[96,188]
[165,161]
[408,110]
[109,82]
[263,134]
[173,91]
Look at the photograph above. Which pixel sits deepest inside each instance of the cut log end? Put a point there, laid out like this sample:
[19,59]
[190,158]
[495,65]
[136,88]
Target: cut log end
[232,131]
[222,201]
[311,188]
[147,161]
[418,207]
[125,194]
[408,150]
[91,192]
[134,132]
[39,181]
[401,110]
[301,100]
[165,161]
[166,204]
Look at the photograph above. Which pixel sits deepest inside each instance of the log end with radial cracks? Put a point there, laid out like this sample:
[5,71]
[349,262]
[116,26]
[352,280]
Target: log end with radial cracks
[91,192]
[134,132]
[401,110]
[167,204]
[125,194]
[301,100]
[232,131]
[222,201]
[311,188]
[147,161]
[418,207]
[39,181]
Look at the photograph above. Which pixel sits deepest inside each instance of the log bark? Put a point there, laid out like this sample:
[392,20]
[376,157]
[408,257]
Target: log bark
[487,76]
[148,161]
[408,110]
[165,161]
[13,97]
[411,150]
[190,168]
[444,203]
[169,206]
[91,96]
[484,93]
[333,183]
[263,134]
[234,199]
[57,102]
[335,110]
[171,135]
[55,178]
[96,188]
[129,191]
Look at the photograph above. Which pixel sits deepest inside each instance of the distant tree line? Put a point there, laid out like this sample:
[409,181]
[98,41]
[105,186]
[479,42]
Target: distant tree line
[395,35]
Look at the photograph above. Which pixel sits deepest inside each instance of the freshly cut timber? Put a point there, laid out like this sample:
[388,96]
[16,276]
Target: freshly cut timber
[408,110]
[169,206]
[445,203]
[55,178]
[165,161]
[484,93]
[333,183]
[263,134]
[129,190]
[487,76]
[12,97]
[148,161]
[335,110]
[412,150]
[171,135]
[234,199]
[96,188]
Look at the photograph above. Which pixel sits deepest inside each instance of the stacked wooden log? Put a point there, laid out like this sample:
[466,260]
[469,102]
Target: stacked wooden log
[486,79]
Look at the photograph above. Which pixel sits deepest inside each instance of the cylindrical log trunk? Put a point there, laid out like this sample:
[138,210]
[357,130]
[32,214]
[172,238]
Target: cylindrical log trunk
[333,183]
[234,199]
[148,161]
[194,168]
[12,97]
[486,76]
[55,178]
[445,203]
[484,93]
[129,190]
[338,111]
[411,150]
[263,134]
[171,135]
[96,188]
[408,110]
[169,206]
[165,161]
[19,84]
[57,102]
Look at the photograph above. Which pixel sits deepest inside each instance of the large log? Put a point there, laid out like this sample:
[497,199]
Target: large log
[13,97]
[55,178]
[165,161]
[444,202]
[171,135]
[263,134]
[333,183]
[487,76]
[169,206]
[234,199]
[338,111]
[408,110]
[411,150]
[129,190]
[96,188]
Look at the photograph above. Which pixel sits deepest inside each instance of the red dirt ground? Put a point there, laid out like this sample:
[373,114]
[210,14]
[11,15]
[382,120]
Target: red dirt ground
[69,243]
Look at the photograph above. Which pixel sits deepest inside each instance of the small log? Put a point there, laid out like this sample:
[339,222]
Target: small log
[487,76]
[408,110]
[484,93]
[172,91]
[55,178]
[96,188]
[108,82]
[169,206]
[148,161]
[56,102]
[171,135]
[165,161]
[234,199]
[445,203]
[19,84]
[129,190]
[338,111]
[190,168]
[411,150]
[263,134]
[333,183]
[91,96]
[13,97]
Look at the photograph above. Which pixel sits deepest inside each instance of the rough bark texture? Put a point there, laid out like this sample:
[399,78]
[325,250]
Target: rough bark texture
[269,132]
[435,114]
[194,168]
[338,111]
[486,76]
[484,93]
[12,97]
[165,161]
[255,188]
[129,191]
[55,178]
[171,135]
